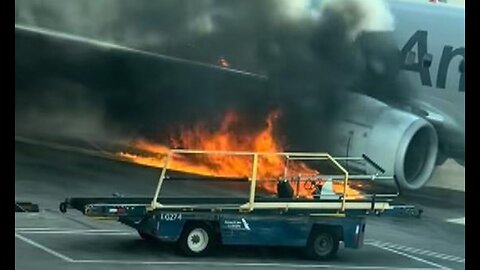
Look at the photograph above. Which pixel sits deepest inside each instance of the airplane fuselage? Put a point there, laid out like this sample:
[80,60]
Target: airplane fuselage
[432,43]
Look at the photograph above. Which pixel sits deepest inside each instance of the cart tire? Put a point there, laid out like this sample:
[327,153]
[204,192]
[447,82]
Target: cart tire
[146,237]
[196,239]
[322,245]
[63,207]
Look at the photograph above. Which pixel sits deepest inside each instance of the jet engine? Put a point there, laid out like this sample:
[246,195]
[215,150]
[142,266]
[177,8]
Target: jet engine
[404,144]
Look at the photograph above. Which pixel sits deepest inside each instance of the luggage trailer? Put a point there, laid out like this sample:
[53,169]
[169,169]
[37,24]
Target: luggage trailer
[197,224]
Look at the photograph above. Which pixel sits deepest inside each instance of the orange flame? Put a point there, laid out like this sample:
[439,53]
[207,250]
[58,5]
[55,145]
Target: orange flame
[270,167]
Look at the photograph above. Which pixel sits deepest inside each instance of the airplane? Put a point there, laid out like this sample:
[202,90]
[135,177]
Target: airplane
[408,137]
[429,127]
[435,40]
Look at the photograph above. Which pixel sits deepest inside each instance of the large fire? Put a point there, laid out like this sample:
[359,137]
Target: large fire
[229,138]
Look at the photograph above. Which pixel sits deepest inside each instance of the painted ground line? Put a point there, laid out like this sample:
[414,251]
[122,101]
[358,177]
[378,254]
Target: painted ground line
[235,264]
[412,257]
[419,251]
[44,248]
[457,220]
[47,230]
[238,264]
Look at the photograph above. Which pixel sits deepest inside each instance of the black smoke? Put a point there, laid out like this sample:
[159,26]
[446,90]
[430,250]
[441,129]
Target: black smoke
[310,65]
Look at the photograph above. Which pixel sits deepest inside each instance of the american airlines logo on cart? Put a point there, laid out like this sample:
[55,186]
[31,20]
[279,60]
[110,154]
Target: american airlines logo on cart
[236,224]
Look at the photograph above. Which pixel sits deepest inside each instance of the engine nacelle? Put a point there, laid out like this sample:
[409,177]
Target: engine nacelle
[402,143]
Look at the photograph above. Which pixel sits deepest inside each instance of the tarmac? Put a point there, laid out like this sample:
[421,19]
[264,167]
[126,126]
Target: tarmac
[52,240]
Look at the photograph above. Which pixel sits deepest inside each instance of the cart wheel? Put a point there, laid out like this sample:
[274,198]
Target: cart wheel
[63,207]
[146,237]
[196,240]
[322,245]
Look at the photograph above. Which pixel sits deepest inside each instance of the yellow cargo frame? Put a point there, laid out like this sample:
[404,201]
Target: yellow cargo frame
[250,205]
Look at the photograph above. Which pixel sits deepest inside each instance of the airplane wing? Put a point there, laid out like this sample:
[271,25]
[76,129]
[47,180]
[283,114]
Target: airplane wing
[127,84]
[45,43]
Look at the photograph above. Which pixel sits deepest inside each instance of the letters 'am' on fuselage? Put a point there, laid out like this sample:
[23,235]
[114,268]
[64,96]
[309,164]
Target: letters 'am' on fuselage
[431,39]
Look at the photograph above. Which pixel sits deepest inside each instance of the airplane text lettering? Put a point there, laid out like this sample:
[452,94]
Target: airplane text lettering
[421,62]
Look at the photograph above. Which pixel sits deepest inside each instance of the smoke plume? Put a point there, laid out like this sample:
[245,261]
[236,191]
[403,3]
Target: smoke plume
[312,52]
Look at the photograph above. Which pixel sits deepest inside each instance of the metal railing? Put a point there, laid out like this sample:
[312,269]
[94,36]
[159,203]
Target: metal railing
[251,204]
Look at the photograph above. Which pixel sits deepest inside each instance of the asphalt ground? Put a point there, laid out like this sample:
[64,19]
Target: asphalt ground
[52,240]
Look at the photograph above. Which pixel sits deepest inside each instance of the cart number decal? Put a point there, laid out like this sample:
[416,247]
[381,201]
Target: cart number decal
[171,217]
